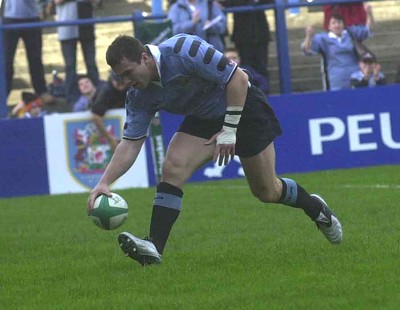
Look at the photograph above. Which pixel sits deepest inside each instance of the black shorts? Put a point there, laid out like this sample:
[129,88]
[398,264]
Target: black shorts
[258,126]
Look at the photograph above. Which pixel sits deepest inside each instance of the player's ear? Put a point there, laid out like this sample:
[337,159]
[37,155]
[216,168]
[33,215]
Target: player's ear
[145,57]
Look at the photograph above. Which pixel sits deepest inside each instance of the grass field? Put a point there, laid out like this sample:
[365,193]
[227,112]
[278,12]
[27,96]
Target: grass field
[227,250]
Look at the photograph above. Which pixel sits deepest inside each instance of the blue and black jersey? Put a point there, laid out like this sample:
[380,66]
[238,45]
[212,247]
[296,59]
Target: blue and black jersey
[193,78]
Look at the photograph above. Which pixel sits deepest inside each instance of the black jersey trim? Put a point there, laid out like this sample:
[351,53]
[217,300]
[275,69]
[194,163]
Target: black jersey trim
[223,62]
[209,55]
[179,44]
[194,48]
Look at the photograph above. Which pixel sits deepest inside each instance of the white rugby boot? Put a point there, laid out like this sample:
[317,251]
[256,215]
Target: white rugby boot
[328,223]
[141,250]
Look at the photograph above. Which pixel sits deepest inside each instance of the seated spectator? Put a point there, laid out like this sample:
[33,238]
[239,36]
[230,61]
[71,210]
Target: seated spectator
[258,79]
[203,18]
[88,91]
[337,49]
[108,95]
[111,96]
[369,74]
[30,106]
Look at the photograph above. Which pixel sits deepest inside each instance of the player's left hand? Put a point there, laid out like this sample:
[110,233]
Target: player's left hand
[224,148]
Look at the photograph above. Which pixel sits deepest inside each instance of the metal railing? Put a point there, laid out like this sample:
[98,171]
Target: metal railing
[280,6]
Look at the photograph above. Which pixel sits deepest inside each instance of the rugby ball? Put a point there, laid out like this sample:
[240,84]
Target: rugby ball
[109,213]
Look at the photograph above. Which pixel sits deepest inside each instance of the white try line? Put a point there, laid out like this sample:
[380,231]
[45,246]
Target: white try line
[363,186]
[372,186]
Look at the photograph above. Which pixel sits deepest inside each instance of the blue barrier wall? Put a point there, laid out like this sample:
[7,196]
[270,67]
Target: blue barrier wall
[343,129]
[335,130]
[23,163]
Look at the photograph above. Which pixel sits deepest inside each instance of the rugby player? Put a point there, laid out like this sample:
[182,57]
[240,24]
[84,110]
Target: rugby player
[224,115]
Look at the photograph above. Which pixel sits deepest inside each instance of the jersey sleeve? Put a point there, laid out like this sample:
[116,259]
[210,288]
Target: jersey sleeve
[137,121]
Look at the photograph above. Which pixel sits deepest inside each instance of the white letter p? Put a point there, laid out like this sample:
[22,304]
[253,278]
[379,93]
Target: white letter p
[316,137]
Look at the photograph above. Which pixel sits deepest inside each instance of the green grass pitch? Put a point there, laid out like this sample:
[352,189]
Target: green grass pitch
[226,251]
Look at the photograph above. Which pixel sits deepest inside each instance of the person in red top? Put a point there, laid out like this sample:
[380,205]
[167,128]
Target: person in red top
[353,13]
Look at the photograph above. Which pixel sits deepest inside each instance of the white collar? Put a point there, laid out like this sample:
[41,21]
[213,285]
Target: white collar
[334,36]
[155,52]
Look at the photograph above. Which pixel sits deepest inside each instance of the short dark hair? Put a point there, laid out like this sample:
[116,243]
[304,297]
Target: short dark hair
[368,57]
[83,76]
[337,16]
[124,47]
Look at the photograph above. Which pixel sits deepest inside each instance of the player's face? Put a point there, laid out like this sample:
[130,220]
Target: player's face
[336,26]
[134,74]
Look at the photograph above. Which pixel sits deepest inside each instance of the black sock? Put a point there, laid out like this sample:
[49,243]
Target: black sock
[166,209]
[296,196]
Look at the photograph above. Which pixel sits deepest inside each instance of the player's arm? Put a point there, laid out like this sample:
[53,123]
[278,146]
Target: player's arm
[124,157]
[236,91]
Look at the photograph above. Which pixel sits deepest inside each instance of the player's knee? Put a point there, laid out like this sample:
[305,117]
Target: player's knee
[173,166]
[266,195]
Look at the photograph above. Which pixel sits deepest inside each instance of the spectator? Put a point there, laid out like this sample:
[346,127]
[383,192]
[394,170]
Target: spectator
[99,99]
[337,49]
[30,106]
[352,13]
[203,18]
[69,36]
[88,92]
[111,96]
[25,11]
[251,35]
[257,78]
[369,74]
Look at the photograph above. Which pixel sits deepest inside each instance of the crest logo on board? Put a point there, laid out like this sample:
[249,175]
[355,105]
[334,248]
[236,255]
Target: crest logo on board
[88,151]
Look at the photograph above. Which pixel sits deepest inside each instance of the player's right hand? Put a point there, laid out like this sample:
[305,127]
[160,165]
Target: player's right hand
[100,189]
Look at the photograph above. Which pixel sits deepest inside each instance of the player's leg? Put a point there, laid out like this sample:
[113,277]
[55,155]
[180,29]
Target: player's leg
[185,154]
[267,187]
[257,130]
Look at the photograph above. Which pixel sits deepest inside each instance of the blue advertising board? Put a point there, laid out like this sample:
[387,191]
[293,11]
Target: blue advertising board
[23,161]
[335,130]
[343,129]
[353,128]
